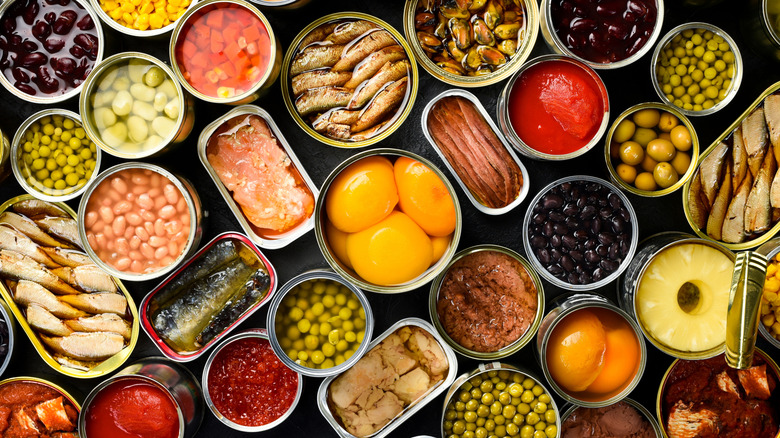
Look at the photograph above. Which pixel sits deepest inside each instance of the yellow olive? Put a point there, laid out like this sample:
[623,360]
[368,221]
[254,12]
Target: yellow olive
[626,173]
[624,131]
[665,175]
[667,122]
[645,181]
[681,162]
[648,164]
[661,150]
[681,138]
[665,136]
[643,136]
[647,118]
[631,153]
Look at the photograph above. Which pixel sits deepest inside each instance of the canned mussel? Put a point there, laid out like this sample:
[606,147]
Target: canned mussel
[734,194]
[473,43]
[349,79]
[502,399]
[37,404]
[80,319]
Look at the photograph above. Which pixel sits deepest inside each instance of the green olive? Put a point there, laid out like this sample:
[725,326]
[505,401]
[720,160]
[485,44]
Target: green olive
[681,138]
[643,136]
[631,153]
[665,175]
[645,181]
[681,162]
[647,118]
[624,131]
[661,150]
[667,121]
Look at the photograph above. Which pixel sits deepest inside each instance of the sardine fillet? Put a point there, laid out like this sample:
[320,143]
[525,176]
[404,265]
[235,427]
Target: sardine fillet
[758,208]
[373,62]
[318,78]
[28,292]
[346,32]
[384,102]
[21,267]
[734,224]
[65,228]
[13,240]
[772,116]
[67,257]
[104,322]
[696,206]
[87,277]
[320,99]
[27,226]
[34,207]
[740,159]
[98,302]
[710,171]
[86,346]
[755,137]
[720,206]
[360,49]
[314,57]
[45,322]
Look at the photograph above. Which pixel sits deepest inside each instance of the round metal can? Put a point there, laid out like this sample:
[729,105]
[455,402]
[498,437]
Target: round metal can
[173,379]
[442,68]
[262,85]
[251,333]
[508,129]
[273,313]
[52,99]
[18,143]
[348,273]
[736,80]
[5,315]
[612,162]
[564,306]
[99,79]
[371,134]
[194,207]
[556,45]
[772,251]
[515,345]
[152,34]
[5,154]
[641,409]
[759,24]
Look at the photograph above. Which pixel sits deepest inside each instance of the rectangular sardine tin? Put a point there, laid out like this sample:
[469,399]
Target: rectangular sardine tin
[104,367]
[265,242]
[148,305]
[441,386]
[473,99]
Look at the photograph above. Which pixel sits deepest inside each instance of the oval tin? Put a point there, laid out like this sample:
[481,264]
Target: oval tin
[765,236]
[401,113]
[106,366]
[516,345]
[473,99]
[433,392]
[164,348]
[263,242]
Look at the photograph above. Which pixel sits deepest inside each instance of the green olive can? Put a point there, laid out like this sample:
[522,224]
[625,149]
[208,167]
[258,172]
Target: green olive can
[507,40]
[349,110]
[5,153]
[612,154]
[105,93]
[515,345]
[761,25]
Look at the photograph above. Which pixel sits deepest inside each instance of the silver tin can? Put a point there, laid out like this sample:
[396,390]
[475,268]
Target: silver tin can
[641,409]
[5,314]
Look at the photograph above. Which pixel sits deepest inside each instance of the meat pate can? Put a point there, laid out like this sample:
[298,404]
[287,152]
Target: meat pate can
[688,188]
[477,104]
[194,207]
[385,128]
[105,367]
[92,88]
[258,238]
[611,163]
[636,405]
[324,389]
[320,216]
[173,379]
[251,333]
[565,305]
[17,145]
[514,346]
[492,368]
[661,414]
[273,314]
[527,38]
[146,315]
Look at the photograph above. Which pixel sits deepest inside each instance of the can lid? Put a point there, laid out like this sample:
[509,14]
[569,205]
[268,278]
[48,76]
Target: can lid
[747,284]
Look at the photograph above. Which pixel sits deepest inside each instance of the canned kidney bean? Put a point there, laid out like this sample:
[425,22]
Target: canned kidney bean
[580,231]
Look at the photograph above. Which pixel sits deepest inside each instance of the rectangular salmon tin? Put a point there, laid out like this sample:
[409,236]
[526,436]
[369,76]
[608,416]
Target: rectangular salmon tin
[433,392]
[477,203]
[265,240]
[104,367]
[148,309]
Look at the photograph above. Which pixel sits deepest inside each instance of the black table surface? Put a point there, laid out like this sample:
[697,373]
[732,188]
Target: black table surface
[626,86]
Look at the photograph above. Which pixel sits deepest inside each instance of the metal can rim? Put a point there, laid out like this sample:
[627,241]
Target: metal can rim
[634,404]
[149,33]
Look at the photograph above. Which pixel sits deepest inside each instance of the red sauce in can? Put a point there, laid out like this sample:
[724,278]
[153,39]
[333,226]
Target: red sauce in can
[249,385]
[556,107]
[132,408]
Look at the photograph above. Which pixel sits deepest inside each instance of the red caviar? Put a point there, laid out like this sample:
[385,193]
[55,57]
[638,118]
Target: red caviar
[223,50]
[249,385]
[132,408]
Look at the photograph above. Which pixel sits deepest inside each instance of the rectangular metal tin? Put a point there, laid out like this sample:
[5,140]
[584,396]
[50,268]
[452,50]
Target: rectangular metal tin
[160,343]
[106,366]
[322,392]
[260,241]
[481,207]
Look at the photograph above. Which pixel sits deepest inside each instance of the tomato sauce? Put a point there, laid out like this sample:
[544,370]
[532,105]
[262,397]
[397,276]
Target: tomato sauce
[132,408]
[556,107]
[249,385]
[31,409]
[223,50]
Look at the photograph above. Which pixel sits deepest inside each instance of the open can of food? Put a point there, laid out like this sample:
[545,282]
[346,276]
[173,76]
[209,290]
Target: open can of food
[624,418]
[428,366]
[55,410]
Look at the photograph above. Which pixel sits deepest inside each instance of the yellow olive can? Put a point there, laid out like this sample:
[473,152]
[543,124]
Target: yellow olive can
[336,111]
[611,153]
[440,58]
